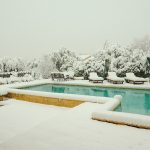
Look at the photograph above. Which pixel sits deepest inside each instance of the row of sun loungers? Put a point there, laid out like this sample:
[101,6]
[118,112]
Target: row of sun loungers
[113,78]
[94,78]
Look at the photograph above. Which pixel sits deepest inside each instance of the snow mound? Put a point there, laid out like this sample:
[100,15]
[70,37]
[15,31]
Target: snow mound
[3,91]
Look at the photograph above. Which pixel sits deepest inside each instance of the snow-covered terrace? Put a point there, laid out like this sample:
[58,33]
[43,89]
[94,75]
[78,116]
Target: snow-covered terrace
[26,125]
[30,126]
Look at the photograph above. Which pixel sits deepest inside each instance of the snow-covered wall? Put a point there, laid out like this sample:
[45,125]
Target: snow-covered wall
[85,98]
[136,120]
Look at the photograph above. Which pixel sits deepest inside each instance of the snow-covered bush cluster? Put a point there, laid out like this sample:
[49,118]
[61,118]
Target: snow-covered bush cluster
[62,60]
[8,64]
[122,60]
[14,79]
[113,57]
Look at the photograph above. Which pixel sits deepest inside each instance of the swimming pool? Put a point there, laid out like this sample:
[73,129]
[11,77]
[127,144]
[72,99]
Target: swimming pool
[134,101]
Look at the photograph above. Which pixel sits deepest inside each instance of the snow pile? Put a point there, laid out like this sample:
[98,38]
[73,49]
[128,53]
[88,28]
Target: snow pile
[112,76]
[3,91]
[3,81]
[27,78]
[94,76]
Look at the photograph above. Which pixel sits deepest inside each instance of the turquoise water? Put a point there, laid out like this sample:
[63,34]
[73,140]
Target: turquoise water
[134,101]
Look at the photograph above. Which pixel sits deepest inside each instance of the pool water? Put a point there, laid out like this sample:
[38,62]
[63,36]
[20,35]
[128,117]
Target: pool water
[134,101]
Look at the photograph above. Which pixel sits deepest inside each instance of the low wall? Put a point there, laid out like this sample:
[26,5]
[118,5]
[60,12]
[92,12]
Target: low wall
[121,118]
[45,100]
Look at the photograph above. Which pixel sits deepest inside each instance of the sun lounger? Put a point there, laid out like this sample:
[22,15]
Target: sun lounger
[113,78]
[69,75]
[58,76]
[131,78]
[93,77]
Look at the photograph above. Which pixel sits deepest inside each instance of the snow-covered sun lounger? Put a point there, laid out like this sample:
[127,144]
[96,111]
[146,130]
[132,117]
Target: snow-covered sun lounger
[93,77]
[131,78]
[112,77]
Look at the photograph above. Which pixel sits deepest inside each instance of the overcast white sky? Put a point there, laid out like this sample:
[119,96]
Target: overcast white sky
[30,28]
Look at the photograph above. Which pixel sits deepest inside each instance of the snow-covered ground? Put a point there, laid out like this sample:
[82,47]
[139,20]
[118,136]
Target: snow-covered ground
[25,125]
[30,126]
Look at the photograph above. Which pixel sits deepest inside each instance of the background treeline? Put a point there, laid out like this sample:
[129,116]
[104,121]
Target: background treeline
[113,57]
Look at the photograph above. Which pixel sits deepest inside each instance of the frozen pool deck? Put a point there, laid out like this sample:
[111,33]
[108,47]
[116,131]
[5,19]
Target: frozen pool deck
[30,126]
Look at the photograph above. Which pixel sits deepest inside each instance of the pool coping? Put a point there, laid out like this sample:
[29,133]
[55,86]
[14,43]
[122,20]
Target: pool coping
[122,118]
[103,85]
[109,85]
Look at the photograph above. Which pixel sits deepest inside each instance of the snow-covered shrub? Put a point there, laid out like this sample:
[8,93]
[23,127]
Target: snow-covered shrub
[28,78]
[78,68]
[8,64]
[13,79]
[122,59]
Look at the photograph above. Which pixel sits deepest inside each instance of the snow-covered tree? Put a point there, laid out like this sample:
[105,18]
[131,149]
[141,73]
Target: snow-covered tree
[64,59]
[46,66]
[78,68]
[122,59]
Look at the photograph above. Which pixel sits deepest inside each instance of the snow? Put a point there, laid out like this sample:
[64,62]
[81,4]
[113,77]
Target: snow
[13,79]
[123,118]
[110,103]
[131,76]
[94,76]
[35,126]
[84,56]
[93,99]
[17,117]
[3,91]
[105,84]
[113,76]
[2,81]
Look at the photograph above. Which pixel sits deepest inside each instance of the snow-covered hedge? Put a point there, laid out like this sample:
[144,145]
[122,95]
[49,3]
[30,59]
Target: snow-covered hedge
[14,79]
